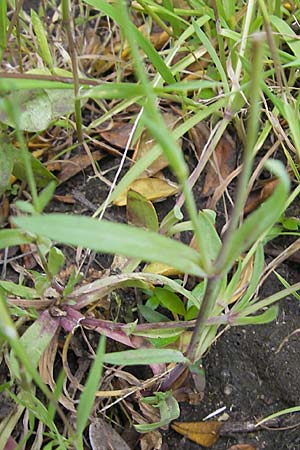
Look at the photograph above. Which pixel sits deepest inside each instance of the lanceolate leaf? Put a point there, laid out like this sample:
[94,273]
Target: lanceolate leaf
[12,237]
[120,239]
[266,317]
[144,357]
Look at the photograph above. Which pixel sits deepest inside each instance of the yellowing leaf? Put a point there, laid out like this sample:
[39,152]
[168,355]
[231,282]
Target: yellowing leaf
[161,269]
[203,433]
[150,188]
[141,212]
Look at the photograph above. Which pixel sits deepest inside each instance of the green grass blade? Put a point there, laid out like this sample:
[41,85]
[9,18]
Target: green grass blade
[266,317]
[294,409]
[210,49]
[115,238]
[91,386]
[116,90]
[13,84]
[41,39]
[287,34]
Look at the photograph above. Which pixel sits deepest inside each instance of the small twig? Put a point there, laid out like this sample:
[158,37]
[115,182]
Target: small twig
[245,427]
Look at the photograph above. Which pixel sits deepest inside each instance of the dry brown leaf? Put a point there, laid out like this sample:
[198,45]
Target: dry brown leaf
[258,196]
[151,188]
[151,441]
[65,199]
[4,209]
[117,134]
[224,161]
[146,143]
[74,165]
[104,437]
[203,433]
[242,447]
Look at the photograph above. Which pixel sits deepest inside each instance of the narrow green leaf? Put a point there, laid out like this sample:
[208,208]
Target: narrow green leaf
[293,409]
[41,39]
[142,357]
[13,84]
[18,290]
[56,260]
[3,25]
[185,86]
[115,90]
[207,228]
[9,238]
[46,195]
[212,52]
[266,317]
[25,207]
[159,333]
[169,300]
[288,35]
[91,386]
[161,342]
[113,238]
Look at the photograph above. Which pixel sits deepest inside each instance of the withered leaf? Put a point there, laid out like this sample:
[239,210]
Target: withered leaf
[104,437]
[74,165]
[224,160]
[151,441]
[258,196]
[118,134]
[203,433]
[150,188]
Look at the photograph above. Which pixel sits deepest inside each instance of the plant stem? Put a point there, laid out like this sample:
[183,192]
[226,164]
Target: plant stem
[248,154]
[208,302]
[73,56]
